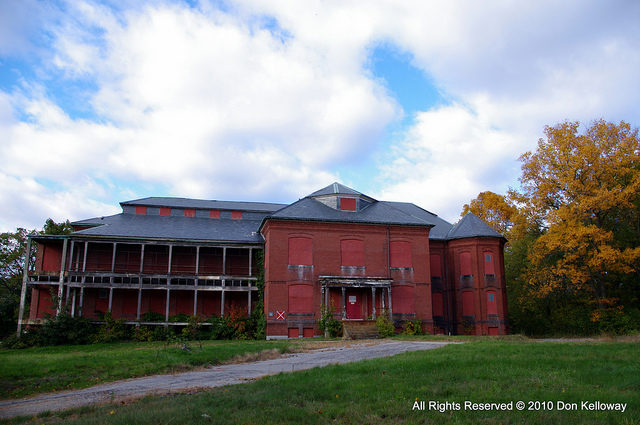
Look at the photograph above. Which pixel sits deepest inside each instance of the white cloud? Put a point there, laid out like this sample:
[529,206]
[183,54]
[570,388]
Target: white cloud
[270,100]
[449,155]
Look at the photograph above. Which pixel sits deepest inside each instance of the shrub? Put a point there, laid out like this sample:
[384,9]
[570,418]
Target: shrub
[152,316]
[385,326]
[329,324]
[412,327]
[112,330]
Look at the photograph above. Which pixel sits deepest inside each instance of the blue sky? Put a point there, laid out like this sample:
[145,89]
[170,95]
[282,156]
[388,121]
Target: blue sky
[420,101]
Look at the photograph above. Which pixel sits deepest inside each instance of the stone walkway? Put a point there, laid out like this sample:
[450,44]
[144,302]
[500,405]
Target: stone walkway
[211,377]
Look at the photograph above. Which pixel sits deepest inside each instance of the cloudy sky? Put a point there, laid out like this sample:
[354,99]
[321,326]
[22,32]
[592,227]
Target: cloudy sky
[422,101]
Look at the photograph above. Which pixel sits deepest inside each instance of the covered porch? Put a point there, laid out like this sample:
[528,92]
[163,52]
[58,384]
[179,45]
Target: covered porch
[357,298]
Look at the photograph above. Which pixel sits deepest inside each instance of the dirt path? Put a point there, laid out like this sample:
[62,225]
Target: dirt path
[212,377]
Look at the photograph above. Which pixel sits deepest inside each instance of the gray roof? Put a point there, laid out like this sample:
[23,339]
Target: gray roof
[471,226]
[441,227]
[205,204]
[309,209]
[173,228]
[335,188]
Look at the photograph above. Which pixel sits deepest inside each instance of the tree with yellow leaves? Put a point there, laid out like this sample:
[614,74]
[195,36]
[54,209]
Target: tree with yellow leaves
[581,190]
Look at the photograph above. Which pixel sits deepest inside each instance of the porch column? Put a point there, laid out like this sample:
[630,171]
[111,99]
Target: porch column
[25,278]
[222,300]
[323,304]
[113,270]
[390,305]
[80,304]
[327,297]
[344,305]
[224,260]
[61,279]
[195,282]
[166,305]
[84,278]
[382,299]
[373,302]
[140,282]
[110,298]
[249,301]
[168,298]
[73,303]
[250,260]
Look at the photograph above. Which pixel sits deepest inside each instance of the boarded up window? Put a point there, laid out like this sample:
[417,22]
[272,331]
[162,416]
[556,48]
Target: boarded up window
[403,299]
[400,254]
[300,299]
[293,333]
[493,331]
[189,212]
[300,251]
[488,263]
[347,204]
[468,309]
[307,332]
[492,305]
[165,211]
[141,210]
[236,215]
[465,264]
[436,301]
[352,252]
[214,214]
[435,266]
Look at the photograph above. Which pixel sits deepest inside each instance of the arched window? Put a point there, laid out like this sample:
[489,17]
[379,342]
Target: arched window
[436,270]
[437,305]
[300,299]
[352,252]
[468,308]
[492,304]
[400,254]
[465,264]
[489,267]
[300,251]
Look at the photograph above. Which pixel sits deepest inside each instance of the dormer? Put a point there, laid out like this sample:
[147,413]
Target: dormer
[342,198]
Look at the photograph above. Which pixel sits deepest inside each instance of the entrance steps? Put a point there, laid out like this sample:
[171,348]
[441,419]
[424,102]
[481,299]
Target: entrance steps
[359,329]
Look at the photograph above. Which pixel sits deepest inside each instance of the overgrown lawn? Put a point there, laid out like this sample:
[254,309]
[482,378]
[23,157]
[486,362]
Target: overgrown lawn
[44,369]
[384,390]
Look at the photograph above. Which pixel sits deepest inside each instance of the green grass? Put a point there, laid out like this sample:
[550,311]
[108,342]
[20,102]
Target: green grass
[384,390]
[44,369]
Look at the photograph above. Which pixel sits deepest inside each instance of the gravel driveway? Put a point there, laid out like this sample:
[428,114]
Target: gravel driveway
[211,377]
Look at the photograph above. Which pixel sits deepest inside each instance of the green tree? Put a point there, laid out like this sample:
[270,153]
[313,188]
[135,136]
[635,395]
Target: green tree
[574,237]
[12,255]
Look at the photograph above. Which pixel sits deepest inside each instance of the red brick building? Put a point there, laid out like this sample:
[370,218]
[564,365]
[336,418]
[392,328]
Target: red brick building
[165,257]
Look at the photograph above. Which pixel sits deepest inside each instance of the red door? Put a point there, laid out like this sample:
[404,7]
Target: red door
[354,305]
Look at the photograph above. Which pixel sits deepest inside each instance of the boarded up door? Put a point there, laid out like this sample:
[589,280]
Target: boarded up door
[354,305]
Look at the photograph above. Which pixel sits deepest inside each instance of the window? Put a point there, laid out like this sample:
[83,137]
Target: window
[214,213]
[435,266]
[352,252]
[436,300]
[465,264]
[348,204]
[165,211]
[300,299]
[141,210]
[403,299]
[488,264]
[236,215]
[189,212]
[300,251]
[468,309]
[400,254]
[492,305]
